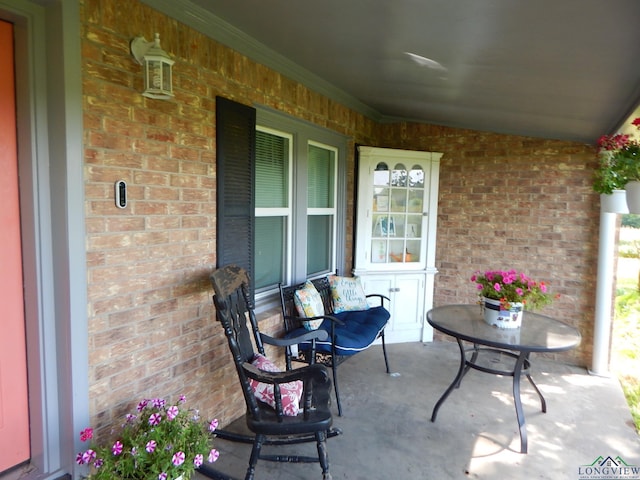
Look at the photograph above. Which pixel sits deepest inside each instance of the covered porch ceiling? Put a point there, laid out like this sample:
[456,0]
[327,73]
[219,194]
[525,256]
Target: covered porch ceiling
[561,70]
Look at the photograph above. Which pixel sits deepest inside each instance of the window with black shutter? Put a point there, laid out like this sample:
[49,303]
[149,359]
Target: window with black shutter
[281,196]
[235,167]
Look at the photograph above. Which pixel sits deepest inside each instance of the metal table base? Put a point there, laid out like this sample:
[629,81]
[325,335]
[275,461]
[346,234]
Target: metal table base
[522,366]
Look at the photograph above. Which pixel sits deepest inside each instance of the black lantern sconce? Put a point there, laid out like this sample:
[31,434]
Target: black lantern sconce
[157,65]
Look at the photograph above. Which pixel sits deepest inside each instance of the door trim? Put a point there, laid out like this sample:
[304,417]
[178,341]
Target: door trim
[48,79]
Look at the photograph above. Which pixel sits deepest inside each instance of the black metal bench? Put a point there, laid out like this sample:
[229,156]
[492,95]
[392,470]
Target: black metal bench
[349,332]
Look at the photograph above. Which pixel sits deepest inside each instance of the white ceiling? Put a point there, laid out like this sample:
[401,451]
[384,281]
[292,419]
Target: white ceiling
[561,69]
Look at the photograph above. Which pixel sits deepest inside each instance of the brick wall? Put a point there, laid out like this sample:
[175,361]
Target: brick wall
[151,321]
[514,202]
[504,201]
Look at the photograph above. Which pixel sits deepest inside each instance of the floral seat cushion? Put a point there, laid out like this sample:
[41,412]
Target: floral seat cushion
[291,392]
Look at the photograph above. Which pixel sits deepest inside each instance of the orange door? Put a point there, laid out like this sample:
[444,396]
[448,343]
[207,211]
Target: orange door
[14,413]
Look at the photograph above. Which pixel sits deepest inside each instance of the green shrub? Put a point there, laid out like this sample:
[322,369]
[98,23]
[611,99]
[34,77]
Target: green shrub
[631,389]
[631,220]
[627,333]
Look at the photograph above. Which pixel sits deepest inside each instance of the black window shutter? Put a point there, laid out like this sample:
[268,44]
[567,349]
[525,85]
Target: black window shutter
[235,165]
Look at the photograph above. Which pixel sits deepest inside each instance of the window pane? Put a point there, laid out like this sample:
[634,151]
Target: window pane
[399,176]
[272,152]
[320,173]
[381,175]
[416,177]
[319,237]
[269,254]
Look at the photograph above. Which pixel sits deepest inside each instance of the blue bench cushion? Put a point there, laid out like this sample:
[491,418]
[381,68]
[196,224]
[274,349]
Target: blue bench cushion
[360,330]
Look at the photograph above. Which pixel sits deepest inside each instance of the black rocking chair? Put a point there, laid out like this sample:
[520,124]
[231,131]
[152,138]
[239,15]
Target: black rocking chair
[270,425]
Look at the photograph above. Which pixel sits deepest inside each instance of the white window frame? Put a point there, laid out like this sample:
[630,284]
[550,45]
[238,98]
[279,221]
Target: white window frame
[286,212]
[301,135]
[332,210]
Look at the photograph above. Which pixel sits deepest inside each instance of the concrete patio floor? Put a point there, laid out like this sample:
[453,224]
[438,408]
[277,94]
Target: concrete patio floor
[388,433]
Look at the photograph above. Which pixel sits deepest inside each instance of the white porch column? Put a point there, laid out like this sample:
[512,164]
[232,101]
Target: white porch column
[604,292]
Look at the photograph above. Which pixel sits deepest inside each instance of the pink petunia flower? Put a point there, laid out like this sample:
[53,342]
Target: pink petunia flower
[172,412]
[117,447]
[213,455]
[151,446]
[86,434]
[213,424]
[79,459]
[155,418]
[143,404]
[178,458]
[162,476]
[183,399]
[88,456]
[198,460]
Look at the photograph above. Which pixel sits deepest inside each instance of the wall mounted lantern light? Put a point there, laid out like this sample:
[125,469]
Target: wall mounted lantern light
[157,67]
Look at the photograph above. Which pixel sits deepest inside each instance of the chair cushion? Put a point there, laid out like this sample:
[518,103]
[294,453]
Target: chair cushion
[360,330]
[308,303]
[291,392]
[347,294]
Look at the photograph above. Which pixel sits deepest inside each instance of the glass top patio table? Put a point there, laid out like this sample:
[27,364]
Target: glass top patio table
[538,333]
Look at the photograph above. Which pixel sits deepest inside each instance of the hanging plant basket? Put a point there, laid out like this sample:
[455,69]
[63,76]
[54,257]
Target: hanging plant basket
[615,202]
[633,197]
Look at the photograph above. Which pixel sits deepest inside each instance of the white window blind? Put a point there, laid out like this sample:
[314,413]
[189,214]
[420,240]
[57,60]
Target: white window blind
[321,179]
[273,153]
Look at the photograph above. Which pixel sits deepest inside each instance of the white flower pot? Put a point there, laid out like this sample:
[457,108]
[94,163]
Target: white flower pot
[615,202]
[633,197]
[494,315]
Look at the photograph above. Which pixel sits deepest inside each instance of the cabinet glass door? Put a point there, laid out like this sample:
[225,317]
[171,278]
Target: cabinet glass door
[398,195]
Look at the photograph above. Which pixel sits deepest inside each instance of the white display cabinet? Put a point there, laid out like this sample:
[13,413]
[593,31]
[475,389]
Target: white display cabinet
[396,232]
